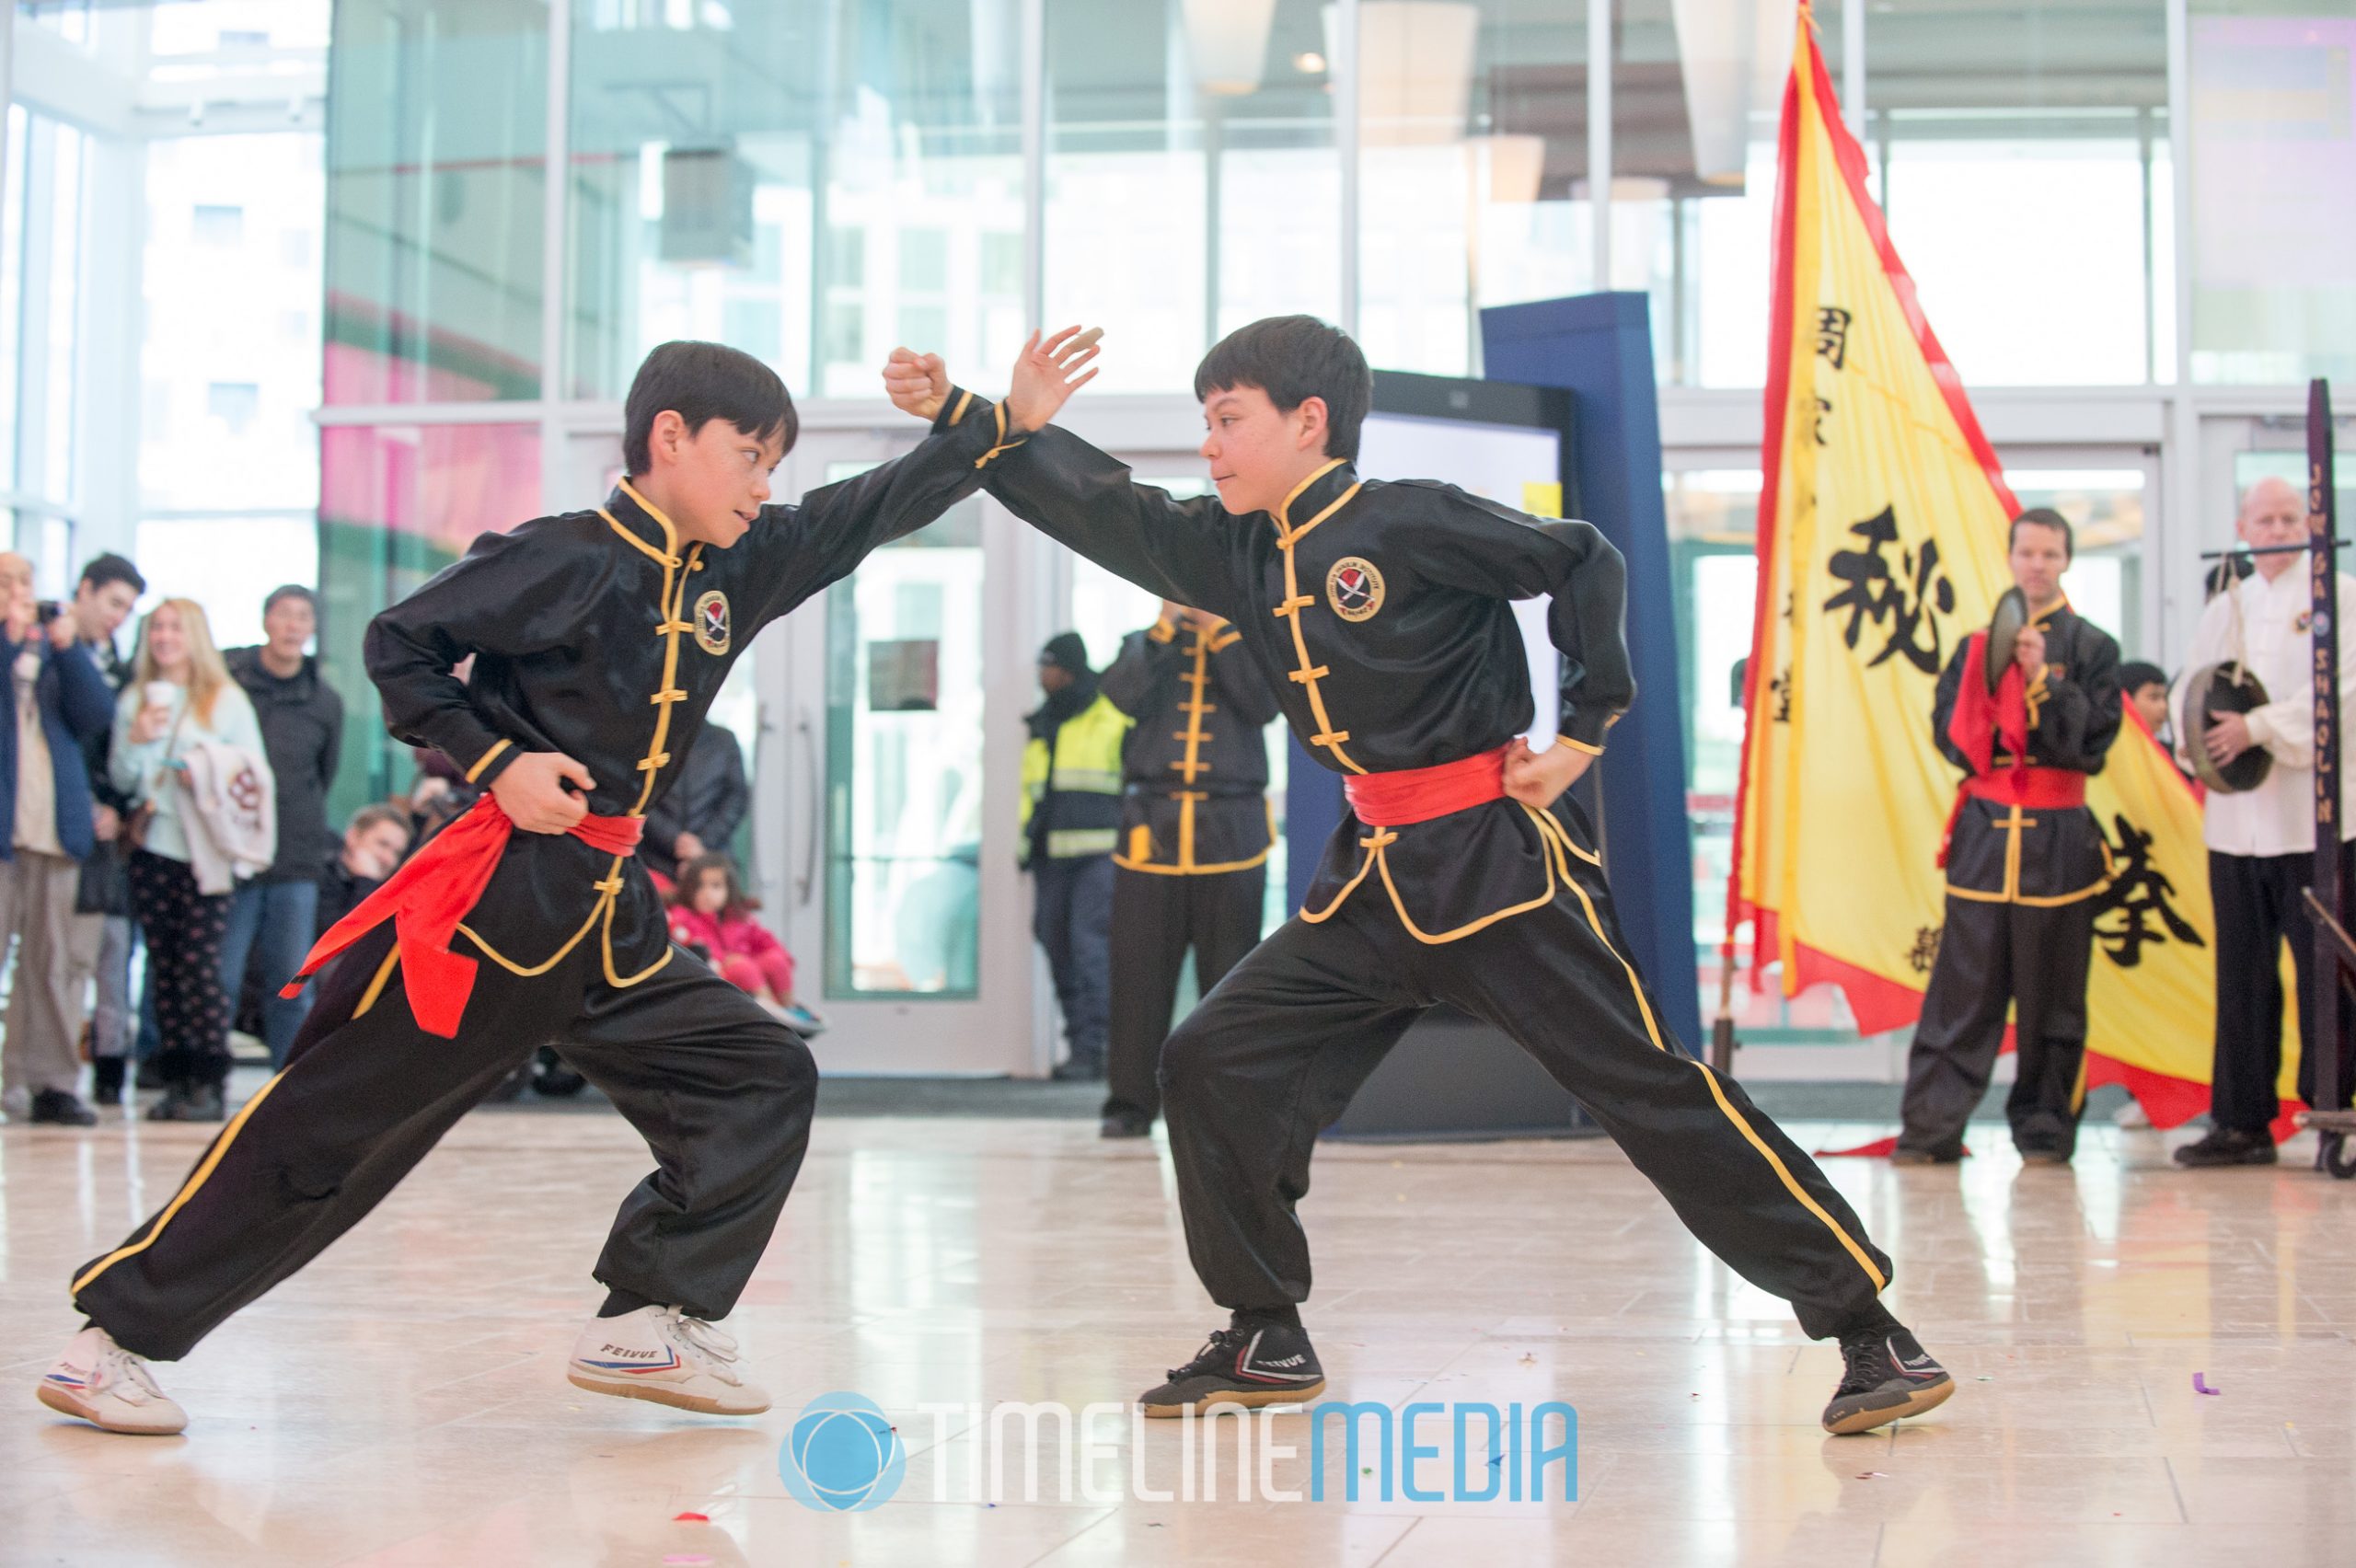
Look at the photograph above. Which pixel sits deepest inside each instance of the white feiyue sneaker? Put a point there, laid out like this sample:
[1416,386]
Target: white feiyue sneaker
[107,1385]
[662,1354]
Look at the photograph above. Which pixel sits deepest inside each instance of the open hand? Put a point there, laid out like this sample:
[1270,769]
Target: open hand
[1539,779]
[917,383]
[531,790]
[1042,377]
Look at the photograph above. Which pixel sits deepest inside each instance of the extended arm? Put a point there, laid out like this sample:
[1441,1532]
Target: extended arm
[799,550]
[1080,497]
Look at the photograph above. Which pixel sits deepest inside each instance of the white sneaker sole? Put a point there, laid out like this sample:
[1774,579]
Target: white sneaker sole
[64,1403]
[657,1394]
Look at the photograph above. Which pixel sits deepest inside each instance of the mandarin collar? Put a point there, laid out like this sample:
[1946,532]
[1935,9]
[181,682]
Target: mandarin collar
[642,520]
[1315,494]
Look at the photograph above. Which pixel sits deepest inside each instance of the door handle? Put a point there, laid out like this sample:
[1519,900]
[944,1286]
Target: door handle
[811,790]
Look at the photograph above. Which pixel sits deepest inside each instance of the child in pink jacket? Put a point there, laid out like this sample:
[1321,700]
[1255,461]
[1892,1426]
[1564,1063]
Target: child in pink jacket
[712,915]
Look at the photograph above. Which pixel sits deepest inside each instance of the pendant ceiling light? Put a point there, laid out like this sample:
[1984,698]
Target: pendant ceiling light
[1734,56]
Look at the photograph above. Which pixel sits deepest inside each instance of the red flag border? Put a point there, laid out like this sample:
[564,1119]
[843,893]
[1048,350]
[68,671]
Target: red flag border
[1877,1003]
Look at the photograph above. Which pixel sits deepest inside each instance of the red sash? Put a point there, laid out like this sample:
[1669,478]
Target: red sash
[2048,789]
[427,898]
[1419,794]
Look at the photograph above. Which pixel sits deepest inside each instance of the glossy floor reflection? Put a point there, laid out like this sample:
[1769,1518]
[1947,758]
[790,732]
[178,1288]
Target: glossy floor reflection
[403,1400]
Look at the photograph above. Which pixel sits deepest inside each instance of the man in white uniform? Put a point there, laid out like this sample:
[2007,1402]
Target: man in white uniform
[2262,842]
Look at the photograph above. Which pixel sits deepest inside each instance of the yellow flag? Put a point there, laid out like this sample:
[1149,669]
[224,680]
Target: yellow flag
[1883,523]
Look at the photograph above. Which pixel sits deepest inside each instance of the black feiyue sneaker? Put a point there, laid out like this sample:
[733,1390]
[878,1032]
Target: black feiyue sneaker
[2228,1146]
[1890,1377]
[1262,1364]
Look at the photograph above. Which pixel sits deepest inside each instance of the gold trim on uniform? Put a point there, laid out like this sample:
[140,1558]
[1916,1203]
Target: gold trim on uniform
[671,604]
[2011,826]
[484,760]
[1328,734]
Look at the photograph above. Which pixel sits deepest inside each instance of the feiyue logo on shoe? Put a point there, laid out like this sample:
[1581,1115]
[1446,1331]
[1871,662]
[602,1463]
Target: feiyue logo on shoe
[1917,1365]
[844,1455]
[628,1355]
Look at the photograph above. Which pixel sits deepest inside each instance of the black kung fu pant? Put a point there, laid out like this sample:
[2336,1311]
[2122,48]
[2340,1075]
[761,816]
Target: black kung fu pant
[1156,919]
[1273,1055]
[2260,902]
[722,1092]
[1993,956]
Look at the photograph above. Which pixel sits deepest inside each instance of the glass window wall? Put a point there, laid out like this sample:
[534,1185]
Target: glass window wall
[2273,95]
[815,184]
[436,139]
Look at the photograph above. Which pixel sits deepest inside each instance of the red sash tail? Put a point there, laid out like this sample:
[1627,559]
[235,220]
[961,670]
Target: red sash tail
[427,898]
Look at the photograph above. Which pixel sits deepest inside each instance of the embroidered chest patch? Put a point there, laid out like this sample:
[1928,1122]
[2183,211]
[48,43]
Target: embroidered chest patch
[1353,588]
[711,622]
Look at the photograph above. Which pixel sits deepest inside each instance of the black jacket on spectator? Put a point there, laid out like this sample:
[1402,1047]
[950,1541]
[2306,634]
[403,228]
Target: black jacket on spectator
[73,704]
[709,801]
[302,728]
[105,886]
[339,890]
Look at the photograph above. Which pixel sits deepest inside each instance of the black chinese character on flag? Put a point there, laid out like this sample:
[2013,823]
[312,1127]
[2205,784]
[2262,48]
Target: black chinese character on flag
[2134,910]
[1907,602]
[1833,335]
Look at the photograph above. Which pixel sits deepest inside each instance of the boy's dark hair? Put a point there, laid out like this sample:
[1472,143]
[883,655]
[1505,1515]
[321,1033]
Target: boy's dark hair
[691,877]
[2044,517]
[113,568]
[2135,675]
[701,383]
[290,591]
[1293,359]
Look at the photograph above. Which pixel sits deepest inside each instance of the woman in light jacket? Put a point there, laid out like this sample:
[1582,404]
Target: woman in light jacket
[179,693]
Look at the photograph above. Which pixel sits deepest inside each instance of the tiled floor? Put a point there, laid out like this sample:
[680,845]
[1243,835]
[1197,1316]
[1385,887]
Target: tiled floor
[403,1401]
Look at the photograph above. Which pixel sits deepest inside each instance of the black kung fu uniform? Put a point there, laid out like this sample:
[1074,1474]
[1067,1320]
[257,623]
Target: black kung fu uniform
[2020,909]
[1378,612]
[599,635]
[1192,867]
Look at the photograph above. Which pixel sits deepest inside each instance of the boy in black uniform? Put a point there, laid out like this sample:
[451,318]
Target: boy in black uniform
[1380,614]
[600,639]
[1192,867]
[2025,860]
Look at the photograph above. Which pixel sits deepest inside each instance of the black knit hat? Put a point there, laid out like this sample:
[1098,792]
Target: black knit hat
[1065,650]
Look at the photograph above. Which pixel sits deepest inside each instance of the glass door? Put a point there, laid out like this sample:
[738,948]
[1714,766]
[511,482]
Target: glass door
[884,821]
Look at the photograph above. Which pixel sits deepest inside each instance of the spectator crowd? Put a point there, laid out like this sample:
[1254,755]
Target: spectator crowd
[171,859]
